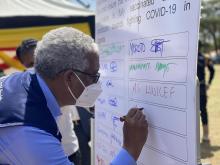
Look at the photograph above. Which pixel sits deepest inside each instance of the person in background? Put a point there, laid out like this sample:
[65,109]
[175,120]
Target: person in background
[69,139]
[202,63]
[82,127]
[31,100]
[2,73]
[25,52]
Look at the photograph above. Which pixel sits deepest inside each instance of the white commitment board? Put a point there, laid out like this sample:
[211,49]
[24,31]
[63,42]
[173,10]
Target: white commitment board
[148,57]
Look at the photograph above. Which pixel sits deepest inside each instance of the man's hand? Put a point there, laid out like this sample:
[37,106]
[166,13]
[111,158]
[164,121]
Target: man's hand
[135,132]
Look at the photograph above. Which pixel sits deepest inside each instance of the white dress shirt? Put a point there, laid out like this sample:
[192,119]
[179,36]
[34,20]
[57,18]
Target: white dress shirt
[65,124]
[75,114]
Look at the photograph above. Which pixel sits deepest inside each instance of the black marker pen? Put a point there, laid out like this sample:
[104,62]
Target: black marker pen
[122,119]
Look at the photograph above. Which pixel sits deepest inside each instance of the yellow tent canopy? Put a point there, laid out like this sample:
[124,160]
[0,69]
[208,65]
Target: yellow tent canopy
[11,38]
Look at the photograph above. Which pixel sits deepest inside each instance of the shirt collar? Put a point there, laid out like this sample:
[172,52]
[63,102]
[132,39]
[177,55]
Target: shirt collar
[51,100]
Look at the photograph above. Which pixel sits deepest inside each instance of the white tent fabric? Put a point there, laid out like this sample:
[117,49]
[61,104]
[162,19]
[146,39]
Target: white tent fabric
[50,8]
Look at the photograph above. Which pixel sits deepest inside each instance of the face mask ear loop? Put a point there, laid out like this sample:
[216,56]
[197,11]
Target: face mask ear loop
[71,92]
[79,80]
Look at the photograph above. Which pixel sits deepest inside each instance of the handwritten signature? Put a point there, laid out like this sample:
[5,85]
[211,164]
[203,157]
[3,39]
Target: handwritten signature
[113,66]
[137,48]
[114,121]
[116,140]
[158,45]
[163,67]
[102,115]
[101,101]
[109,84]
[113,102]
[111,50]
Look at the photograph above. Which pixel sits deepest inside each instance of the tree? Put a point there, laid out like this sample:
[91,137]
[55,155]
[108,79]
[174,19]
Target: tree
[210,22]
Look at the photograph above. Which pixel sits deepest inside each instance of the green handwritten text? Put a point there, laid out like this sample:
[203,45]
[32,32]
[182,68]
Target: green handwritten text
[111,49]
[163,67]
[139,66]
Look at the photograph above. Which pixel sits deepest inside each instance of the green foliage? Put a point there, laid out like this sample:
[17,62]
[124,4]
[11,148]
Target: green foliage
[210,24]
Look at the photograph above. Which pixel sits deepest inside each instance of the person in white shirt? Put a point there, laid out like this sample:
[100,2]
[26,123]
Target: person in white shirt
[69,139]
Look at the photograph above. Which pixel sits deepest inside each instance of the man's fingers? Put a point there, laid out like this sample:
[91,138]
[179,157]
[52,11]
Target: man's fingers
[132,112]
[146,123]
[143,118]
[138,115]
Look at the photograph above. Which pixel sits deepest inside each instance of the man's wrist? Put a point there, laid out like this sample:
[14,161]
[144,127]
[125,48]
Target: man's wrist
[133,152]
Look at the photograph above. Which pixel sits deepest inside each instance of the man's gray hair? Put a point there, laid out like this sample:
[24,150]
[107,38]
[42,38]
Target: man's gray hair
[62,49]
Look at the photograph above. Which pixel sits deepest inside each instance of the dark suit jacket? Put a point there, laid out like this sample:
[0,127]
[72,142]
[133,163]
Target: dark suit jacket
[85,117]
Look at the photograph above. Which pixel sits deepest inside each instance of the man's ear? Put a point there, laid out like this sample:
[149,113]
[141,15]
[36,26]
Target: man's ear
[69,76]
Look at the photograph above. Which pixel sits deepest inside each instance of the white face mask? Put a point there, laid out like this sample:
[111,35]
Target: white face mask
[88,96]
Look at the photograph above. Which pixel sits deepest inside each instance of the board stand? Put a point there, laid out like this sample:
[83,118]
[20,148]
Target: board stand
[92,142]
